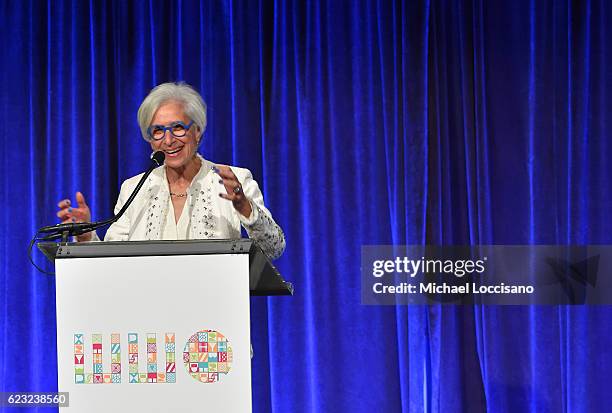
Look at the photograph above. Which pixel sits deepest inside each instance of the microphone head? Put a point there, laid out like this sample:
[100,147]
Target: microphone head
[158,157]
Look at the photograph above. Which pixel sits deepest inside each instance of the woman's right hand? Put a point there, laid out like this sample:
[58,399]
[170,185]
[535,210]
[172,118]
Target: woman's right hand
[79,214]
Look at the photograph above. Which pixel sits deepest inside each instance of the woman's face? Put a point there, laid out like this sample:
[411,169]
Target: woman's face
[179,151]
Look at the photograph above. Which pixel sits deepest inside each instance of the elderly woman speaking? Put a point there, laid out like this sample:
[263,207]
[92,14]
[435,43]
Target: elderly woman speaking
[188,197]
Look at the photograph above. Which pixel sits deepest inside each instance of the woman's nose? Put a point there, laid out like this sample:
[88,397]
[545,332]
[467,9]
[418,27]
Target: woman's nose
[168,138]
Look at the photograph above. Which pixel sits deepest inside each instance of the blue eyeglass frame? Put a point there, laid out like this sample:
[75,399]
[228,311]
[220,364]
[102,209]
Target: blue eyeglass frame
[169,129]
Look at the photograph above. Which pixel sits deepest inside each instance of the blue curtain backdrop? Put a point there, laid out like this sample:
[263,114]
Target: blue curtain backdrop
[365,122]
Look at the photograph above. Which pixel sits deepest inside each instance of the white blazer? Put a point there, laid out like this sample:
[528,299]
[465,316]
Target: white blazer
[205,216]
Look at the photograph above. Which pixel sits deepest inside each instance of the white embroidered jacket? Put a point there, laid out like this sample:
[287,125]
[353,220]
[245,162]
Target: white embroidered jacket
[210,216]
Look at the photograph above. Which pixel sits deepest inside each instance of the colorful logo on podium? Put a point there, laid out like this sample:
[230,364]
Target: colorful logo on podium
[207,354]
[152,375]
[97,375]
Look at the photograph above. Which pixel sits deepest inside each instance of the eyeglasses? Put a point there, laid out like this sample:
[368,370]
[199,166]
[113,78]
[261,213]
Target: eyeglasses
[177,129]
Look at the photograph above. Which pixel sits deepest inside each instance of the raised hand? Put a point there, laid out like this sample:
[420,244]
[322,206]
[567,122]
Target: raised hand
[81,213]
[234,190]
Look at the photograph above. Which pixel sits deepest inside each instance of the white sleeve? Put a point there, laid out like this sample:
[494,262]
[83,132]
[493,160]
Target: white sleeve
[260,226]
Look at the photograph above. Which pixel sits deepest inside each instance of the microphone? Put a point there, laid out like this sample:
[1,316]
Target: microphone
[78,228]
[158,158]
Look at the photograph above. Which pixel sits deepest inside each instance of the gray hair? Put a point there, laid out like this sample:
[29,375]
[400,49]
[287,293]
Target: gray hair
[181,92]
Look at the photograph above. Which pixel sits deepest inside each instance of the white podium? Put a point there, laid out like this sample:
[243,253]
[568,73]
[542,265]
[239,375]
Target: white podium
[158,326]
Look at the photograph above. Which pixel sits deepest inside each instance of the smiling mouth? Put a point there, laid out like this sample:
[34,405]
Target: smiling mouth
[173,151]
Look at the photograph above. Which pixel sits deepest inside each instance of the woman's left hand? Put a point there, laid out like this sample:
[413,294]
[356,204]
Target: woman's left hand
[234,190]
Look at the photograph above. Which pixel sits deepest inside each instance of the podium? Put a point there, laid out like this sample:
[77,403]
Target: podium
[158,326]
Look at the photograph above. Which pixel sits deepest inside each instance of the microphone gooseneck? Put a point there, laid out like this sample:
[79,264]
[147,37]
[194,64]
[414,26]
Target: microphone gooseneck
[78,228]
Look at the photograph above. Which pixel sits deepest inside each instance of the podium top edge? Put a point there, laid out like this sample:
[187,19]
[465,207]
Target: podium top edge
[53,250]
[264,277]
